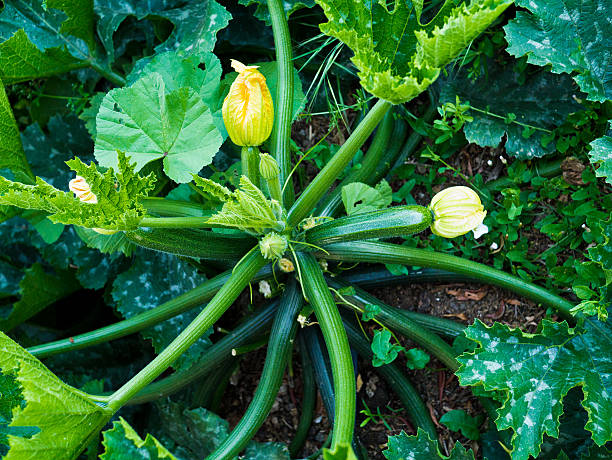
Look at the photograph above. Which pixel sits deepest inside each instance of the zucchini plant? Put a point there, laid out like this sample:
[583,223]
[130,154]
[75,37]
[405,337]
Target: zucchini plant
[166,120]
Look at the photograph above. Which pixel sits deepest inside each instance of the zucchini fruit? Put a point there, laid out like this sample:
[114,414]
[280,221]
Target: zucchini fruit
[386,223]
[193,242]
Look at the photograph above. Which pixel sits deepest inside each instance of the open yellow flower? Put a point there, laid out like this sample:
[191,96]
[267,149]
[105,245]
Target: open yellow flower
[81,189]
[457,210]
[248,113]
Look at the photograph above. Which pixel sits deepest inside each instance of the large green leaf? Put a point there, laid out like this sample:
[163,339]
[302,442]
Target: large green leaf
[38,291]
[62,419]
[147,123]
[196,23]
[601,154]
[38,42]
[122,443]
[502,93]
[154,278]
[398,57]
[535,372]
[573,36]
[421,447]
[12,157]
[118,195]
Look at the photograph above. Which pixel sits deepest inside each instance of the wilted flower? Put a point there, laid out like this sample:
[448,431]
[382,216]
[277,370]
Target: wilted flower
[247,110]
[457,210]
[286,265]
[81,189]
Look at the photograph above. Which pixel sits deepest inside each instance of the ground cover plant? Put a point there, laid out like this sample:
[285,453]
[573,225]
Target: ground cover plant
[150,183]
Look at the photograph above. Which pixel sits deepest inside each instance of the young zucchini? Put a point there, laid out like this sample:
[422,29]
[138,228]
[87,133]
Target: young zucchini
[387,223]
[193,242]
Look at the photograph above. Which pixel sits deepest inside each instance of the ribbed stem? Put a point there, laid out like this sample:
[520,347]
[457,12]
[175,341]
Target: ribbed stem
[410,398]
[249,157]
[240,278]
[279,350]
[281,133]
[402,324]
[188,300]
[327,314]
[177,222]
[387,253]
[174,208]
[327,176]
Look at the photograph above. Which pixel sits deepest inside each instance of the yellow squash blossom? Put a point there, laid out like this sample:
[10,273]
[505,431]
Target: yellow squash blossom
[81,189]
[457,210]
[248,113]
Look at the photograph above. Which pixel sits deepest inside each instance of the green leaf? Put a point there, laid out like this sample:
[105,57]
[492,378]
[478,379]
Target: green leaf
[573,36]
[12,156]
[535,372]
[213,189]
[195,23]
[38,42]
[502,91]
[122,442]
[38,291]
[148,123]
[459,420]
[155,278]
[416,358]
[359,198]
[370,311]
[106,244]
[398,57]
[249,210]
[384,351]
[290,6]
[601,155]
[266,451]
[421,447]
[118,195]
[66,419]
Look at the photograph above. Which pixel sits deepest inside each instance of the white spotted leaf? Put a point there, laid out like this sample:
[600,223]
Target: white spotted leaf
[534,372]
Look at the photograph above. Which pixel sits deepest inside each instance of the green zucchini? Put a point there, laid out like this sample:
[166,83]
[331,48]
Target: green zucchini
[386,223]
[193,242]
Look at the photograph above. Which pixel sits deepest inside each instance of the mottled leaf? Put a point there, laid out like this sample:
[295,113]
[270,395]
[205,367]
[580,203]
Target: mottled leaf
[153,279]
[359,198]
[535,372]
[147,123]
[572,36]
[122,443]
[501,93]
[601,156]
[421,447]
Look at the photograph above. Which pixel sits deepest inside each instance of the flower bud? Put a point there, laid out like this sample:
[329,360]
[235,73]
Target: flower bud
[457,210]
[286,265]
[273,246]
[81,189]
[268,167]
[247,110]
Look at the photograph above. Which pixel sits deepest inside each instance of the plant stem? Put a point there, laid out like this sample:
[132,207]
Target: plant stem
[240,278]
[279,350]
[167,310]
[107,73]
[373,277]
[249,157]
[323,181]
[396,254]
[177,222]
[326,311]
[281,133]
[174,208]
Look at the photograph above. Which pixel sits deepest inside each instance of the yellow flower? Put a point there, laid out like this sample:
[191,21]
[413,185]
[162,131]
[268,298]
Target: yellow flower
[457,210]
[81,189]
[247,110]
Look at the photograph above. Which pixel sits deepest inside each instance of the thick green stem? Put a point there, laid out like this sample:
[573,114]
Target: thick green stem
[414,139]
[275,190]
[401,323]
[410,398]
[388,253]
[318,294]
[279,350]
[240,278]
[323,181]
[249,157]
[372,160]
[309,399]
[281,133]
[167,310]
[177,222]
[174,208]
